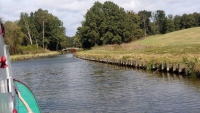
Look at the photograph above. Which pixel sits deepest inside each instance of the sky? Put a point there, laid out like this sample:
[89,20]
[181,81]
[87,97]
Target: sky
[71,12]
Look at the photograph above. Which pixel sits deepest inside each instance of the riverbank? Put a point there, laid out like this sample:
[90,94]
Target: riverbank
[30,56]
[177,49]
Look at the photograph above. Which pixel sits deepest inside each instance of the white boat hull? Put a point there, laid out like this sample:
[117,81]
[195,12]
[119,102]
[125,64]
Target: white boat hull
[6,81]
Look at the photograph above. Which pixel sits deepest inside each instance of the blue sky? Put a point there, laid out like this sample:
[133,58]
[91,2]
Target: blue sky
[71,12]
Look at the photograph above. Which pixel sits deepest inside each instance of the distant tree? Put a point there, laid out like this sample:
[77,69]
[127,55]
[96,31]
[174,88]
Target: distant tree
[34,29]
[70,41]
[41,18]
[145,21]
[197,18]
[132,27]
[81,34]
[160,19]
[187,21]
[93,26]
[177,22]
[24,22]
[66,42]
[115,19]
[76,42]
[42,29]
[168,25]
[103,24]
[153,24]
[54,32]
[13,36]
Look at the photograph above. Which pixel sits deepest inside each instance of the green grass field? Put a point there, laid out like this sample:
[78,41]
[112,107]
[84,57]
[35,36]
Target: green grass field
[173,47]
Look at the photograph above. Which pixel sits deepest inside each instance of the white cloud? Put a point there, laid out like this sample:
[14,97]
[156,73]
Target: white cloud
[71,11]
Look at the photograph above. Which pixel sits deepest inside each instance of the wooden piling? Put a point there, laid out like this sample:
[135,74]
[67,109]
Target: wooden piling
[169,67]
[181,68]
[163,67]
[175,67]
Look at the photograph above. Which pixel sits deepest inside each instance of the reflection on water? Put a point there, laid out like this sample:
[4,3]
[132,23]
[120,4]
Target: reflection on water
[64,84]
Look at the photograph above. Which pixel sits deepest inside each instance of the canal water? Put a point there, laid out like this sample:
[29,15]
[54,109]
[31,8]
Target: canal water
[65,84]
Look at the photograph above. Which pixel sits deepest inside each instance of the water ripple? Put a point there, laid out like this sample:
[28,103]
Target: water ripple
[64,84]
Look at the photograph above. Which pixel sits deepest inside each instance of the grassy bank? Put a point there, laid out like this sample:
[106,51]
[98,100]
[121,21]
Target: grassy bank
[36,55]
[181,47]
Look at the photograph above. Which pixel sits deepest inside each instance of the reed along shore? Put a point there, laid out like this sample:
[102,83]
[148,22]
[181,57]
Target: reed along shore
[30,56]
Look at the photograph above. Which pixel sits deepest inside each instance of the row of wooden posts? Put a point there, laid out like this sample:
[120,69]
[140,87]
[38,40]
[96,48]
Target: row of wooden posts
[163,67]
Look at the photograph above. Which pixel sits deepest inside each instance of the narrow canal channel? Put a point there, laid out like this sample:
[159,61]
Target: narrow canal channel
[64,84]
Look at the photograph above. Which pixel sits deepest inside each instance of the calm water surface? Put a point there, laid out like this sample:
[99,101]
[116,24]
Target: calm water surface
[64,84]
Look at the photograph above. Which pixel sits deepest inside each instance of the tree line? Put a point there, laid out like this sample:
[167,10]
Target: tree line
[105,23]
[39,29]
[108,23]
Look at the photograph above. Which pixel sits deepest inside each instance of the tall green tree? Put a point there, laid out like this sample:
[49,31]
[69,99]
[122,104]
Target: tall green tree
[115,20]
[145,21]
[24,22]
[160,19]
[132,27]
[177,22]
[103,24]
[54,32]
[45,30]
[153,24]
[34,29]
[93,26]
[187,21]
[168,24]
[41,18]
[76,42]
[13,36]
[197,18]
